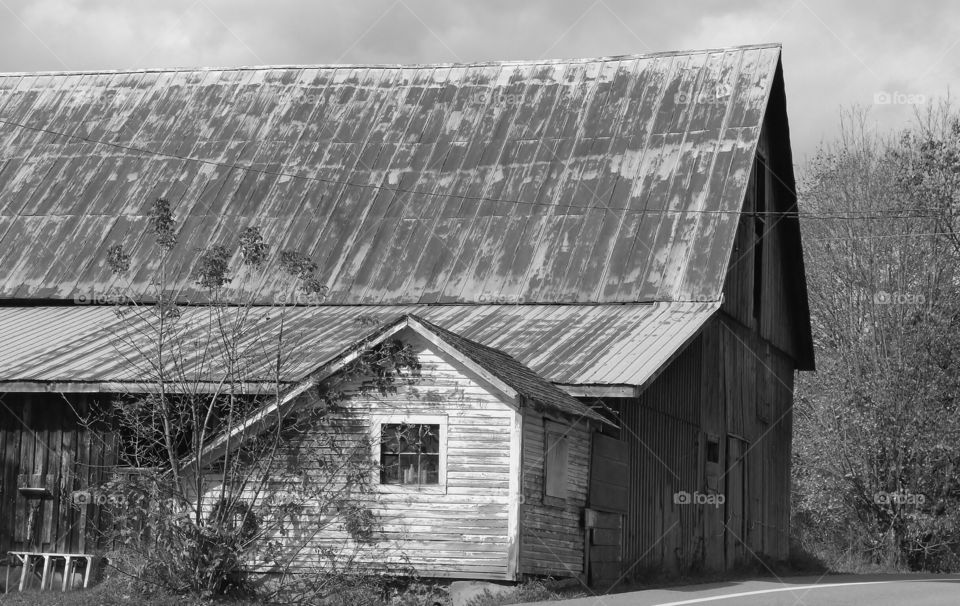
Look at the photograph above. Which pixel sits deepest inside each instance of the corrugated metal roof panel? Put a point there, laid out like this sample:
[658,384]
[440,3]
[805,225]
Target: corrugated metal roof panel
[541,182]
[567,344]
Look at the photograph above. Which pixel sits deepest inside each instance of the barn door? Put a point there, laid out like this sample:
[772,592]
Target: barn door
[609,474]
[735,531]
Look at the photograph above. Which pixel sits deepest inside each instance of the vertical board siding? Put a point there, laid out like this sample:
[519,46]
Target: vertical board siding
[756,396]
[43,444]
[461,532]
[551,529]
[662,428]
[676,392]
[780,308]
[738,287]
[729,384]
[778,312]
[664,459]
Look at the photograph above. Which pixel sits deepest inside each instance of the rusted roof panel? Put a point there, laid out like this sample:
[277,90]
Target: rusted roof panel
[566,344]
[612,180]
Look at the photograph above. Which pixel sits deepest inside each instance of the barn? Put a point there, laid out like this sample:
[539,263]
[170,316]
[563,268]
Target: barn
[606,251]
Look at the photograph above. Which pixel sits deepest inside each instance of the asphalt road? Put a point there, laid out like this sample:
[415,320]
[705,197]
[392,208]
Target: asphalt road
[870,590]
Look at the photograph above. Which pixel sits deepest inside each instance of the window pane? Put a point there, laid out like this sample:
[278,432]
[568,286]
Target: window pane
[390,469]
[429,441]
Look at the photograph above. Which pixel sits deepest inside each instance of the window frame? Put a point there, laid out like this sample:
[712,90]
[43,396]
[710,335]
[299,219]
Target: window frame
[377,421]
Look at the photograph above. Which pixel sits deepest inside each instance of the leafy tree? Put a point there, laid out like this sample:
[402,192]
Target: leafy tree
[190,523]
[877,430]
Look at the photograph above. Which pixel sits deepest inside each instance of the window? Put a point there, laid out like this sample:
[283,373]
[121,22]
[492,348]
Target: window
[713,449]
[411,451]
[555,460]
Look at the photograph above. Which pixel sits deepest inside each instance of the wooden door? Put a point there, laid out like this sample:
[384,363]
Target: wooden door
[609,478]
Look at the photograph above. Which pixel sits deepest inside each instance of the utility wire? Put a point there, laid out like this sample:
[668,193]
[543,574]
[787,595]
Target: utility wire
[807,238]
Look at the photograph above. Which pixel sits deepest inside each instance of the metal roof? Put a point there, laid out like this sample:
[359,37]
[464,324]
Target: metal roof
[592,181]
[518,377]
[505,368]
[565,344]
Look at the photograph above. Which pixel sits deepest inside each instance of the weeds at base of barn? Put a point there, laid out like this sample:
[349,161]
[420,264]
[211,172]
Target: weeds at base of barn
[114,591]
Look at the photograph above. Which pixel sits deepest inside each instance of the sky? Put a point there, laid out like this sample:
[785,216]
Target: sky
[887,57]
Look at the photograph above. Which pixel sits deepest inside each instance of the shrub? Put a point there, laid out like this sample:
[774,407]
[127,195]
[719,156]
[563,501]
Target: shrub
[534,590]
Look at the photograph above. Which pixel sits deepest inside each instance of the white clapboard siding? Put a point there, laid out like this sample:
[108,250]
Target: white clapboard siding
[463,531]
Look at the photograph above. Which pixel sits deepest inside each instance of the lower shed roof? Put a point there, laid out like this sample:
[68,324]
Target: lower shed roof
[566,344]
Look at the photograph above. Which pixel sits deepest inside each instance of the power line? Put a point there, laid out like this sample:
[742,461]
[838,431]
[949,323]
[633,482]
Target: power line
[852,216]
[917,235]
[848,215]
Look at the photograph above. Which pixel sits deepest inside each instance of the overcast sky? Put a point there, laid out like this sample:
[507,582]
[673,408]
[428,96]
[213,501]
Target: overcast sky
[836,54]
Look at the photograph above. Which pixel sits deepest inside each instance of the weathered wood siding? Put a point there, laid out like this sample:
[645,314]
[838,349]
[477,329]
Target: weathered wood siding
[43,445]
[757,340]
[732,387]
[551,529]
[778,312]
[758,400]
[462,529]
[662,430]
